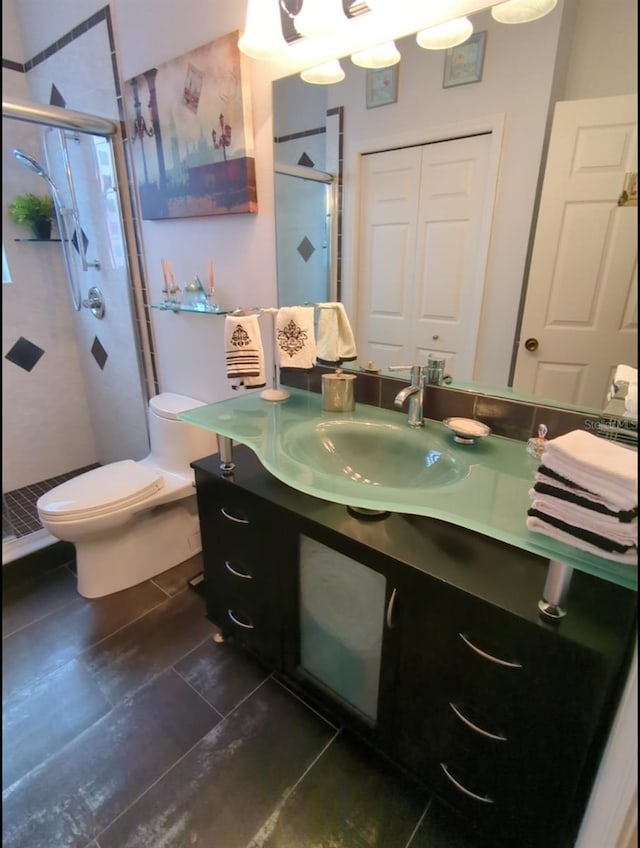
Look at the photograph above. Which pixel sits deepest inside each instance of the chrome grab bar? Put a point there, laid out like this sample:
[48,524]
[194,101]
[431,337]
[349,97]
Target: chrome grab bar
[74,204]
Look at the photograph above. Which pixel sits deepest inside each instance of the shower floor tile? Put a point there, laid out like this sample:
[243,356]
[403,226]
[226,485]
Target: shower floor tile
[19,511]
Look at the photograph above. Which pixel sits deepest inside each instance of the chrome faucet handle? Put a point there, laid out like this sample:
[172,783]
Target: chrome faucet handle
[417,371]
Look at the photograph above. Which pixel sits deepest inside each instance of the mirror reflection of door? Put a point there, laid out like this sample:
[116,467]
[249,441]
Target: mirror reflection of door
[423,252]
[580,314]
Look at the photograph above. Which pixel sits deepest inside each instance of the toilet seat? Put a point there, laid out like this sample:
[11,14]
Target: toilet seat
[100,491]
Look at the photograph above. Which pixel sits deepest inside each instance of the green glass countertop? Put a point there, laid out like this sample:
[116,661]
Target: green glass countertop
[483,487]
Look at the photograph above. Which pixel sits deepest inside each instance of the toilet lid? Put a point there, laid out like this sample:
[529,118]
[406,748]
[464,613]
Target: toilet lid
[112,486]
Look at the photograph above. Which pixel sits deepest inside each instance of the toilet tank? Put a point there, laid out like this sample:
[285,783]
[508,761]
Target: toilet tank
[175,443]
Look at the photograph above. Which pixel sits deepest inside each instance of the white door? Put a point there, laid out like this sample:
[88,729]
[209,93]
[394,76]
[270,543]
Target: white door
[422,253]
[580,316]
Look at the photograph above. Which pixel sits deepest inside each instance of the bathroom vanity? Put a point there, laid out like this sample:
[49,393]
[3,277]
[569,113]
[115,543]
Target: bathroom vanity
[424,637]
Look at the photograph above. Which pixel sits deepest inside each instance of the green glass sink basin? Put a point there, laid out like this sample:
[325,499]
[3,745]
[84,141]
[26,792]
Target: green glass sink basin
[373,454]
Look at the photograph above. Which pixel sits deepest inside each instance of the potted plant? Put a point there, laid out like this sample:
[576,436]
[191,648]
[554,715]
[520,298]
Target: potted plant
[35,211]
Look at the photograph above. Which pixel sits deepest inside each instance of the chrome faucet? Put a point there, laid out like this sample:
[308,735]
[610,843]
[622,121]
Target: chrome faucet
[414,391]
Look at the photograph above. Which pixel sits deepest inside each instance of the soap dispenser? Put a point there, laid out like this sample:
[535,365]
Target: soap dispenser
[337,392]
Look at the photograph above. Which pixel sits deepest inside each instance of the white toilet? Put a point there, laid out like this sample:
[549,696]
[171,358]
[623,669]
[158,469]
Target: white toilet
[132,520]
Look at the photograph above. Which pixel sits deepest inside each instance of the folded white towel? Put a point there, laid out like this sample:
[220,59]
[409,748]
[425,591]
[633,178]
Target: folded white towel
[597,465]
[630,557]
[623,533]
[335,340]
[295,337]
[244,351]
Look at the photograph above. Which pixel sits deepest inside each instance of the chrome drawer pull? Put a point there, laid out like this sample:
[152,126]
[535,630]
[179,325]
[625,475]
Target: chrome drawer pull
[475,727]
[483,798]
[392,602]
[232,517]
[486,656]
[238,622]
[235,573]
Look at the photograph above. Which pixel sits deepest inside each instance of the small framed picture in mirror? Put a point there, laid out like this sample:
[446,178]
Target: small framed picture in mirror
[463,64]
[382,86]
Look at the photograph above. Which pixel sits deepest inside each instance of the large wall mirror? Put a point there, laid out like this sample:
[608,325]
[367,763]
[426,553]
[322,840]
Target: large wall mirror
[420,213]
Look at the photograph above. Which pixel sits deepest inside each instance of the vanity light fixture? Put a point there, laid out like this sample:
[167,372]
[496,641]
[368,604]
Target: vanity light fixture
[262,37]
[319,18]
[324,74]
[382,56]
[446,35]
[522,11]
[368,30]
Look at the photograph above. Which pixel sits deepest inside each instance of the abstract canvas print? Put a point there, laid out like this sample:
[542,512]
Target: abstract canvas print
[189,121]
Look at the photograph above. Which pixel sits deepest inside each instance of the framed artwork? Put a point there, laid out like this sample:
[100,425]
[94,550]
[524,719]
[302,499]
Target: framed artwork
[382,86]
[463,64]
[189,122]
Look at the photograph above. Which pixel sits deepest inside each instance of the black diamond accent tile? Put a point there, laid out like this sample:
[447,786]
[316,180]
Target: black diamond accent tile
[55,98]
[25,354]
[306,249]
[306,160]
[74,240]
[99,353]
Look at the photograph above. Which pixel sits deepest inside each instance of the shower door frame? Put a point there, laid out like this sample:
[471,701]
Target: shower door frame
[94,125]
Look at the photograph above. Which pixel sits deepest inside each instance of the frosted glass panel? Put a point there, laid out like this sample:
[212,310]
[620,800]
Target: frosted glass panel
[341,624]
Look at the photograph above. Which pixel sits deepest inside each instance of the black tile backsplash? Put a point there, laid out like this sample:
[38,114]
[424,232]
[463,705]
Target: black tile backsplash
[510,418]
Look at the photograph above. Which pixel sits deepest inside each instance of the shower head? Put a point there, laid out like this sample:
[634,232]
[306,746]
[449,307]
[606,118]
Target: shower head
[30,163]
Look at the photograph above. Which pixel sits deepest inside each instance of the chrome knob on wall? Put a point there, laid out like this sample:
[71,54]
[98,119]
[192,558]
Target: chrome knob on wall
[95,302]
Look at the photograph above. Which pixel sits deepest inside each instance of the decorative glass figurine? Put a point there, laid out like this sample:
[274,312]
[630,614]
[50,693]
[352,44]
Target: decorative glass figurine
[537,444]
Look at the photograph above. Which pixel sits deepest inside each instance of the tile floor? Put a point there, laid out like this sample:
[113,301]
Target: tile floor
[125,724]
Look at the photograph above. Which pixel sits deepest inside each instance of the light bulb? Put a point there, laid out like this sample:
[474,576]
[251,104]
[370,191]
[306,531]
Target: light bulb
[262,37]
[319,17]
[446,35]
[381,56]
[325,74]
[522,11]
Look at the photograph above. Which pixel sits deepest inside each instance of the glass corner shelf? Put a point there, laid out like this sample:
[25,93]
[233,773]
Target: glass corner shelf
[199,310]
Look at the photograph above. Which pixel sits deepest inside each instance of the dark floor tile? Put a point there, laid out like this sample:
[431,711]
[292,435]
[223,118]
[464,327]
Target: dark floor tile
[52,641]
[222,674]
[222,792]
[71,797]
[132,656]
[442,827]
[41,719]
[349,798]
[39,597]
[175,579]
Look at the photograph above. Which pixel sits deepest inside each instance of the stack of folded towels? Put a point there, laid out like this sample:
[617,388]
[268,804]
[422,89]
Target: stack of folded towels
[585,494]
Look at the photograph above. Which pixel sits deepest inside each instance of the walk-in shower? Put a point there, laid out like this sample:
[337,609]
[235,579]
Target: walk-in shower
[74,388]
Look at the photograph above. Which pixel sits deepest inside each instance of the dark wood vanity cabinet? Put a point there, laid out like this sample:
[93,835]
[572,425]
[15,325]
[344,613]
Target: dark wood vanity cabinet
[501,714]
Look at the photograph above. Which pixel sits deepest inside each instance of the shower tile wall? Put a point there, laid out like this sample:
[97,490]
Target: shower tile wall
[98,409]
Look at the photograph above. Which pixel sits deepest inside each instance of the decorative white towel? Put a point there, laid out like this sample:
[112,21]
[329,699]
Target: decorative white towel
[244,352]
[295,337]
[336,343]
[597,465]
[630,557]
[570,492]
